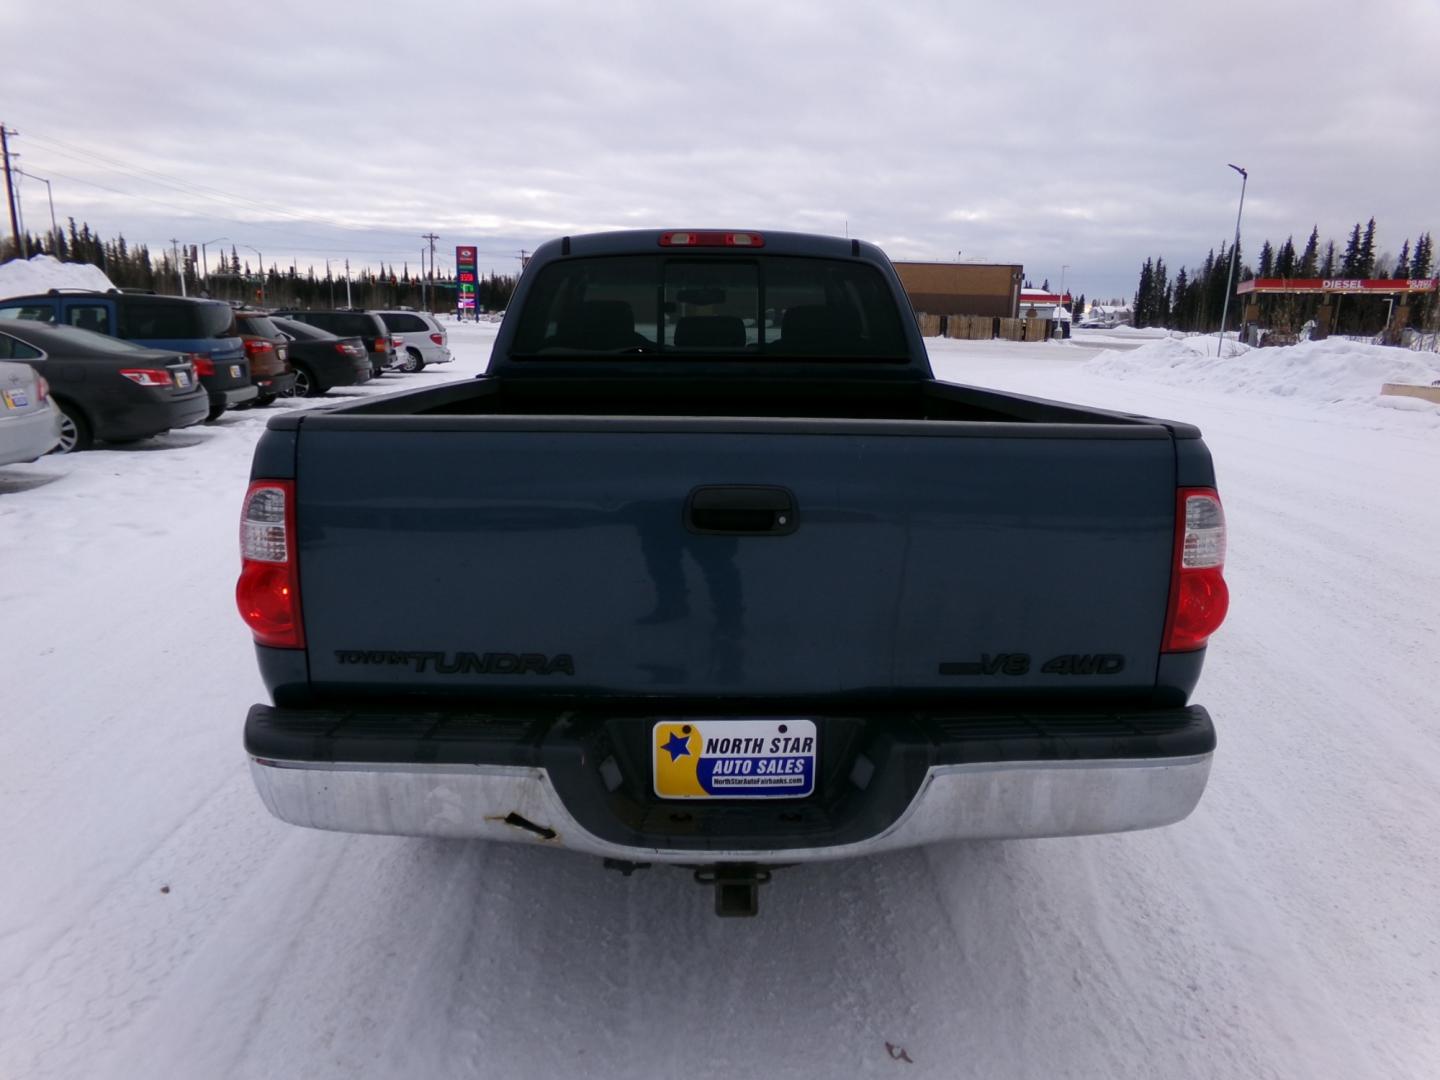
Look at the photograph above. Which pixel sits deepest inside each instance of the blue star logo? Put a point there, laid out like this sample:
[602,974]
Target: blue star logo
[678,746]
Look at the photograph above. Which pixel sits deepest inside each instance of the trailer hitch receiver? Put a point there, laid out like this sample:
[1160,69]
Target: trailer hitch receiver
[737,887]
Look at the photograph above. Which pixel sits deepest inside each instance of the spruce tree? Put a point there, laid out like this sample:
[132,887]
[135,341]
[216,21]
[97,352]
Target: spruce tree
[1402,263]
[1160,303]
[1309,265]
[1350,264]
[1219,281]
[1420,262]
[1267,260]
[1284,259]
[1142,293]
[1180,301]
[1365,259]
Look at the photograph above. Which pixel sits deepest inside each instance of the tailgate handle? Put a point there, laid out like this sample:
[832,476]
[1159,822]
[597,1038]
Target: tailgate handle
[740,510]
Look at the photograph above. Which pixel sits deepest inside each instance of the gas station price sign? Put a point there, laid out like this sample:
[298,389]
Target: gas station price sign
[466,278]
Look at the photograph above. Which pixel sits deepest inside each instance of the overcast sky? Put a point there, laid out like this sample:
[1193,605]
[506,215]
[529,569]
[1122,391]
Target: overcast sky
[1045,134]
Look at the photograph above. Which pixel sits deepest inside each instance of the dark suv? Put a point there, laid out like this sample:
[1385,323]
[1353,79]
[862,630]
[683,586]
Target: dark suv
[204,329]
[350,322]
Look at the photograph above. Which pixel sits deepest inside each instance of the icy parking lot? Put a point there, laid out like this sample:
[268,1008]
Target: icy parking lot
[155,921]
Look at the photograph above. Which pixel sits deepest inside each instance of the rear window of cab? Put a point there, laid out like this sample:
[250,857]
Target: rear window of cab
[765,306]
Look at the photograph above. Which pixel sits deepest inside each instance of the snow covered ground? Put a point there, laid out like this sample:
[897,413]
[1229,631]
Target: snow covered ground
[154,921]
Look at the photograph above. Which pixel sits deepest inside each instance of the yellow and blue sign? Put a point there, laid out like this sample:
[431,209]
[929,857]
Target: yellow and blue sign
[734,759]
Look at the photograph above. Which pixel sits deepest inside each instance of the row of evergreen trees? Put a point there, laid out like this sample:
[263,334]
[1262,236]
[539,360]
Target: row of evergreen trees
[232,278]
[1195,299]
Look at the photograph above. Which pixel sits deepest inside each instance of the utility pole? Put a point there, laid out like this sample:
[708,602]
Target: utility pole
[179,266]
[347,282]
[5,134]
[432,238]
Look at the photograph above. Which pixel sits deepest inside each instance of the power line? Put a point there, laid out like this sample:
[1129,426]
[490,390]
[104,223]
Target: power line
[213,194]
[204,191]
[238,221]
[221,197]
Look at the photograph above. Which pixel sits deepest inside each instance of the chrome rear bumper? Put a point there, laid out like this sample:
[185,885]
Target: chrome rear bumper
[993,800]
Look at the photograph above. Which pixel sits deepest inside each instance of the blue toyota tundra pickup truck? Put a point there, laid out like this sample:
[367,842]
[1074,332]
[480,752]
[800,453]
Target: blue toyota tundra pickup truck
[718,574]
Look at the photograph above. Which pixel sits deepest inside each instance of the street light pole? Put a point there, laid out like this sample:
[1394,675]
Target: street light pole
[205,256]
[179,266]
[49,194]
[1234,255]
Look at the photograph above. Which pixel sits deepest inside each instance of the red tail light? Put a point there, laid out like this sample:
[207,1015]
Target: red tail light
[342,348]
[254,347]
[42,389]
[711,239]
[268,592]
[382,344]
[203,364]
[147,376]
[438,339]
[1199,597]
[397,341]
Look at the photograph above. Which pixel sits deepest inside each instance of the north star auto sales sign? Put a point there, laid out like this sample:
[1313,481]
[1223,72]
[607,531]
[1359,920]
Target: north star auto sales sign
[1339,285]
[465,278]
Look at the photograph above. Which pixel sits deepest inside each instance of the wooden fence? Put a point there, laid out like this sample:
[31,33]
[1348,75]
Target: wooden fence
[984,327]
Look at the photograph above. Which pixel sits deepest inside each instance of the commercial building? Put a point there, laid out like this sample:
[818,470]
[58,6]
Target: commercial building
[963,288]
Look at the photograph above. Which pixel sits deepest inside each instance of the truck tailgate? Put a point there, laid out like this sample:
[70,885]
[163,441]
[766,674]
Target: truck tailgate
[485,556]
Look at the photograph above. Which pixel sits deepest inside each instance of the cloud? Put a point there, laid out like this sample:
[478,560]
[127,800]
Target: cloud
[1046,134]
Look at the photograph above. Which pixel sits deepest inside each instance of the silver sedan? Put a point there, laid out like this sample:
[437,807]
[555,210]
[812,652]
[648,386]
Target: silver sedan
[29,421]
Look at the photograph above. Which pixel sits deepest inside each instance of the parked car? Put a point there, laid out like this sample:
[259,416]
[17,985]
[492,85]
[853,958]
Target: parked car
[425,340]
[29,421]
[269,353]
[106,388]
[322,360]
[352,322]
[204,329]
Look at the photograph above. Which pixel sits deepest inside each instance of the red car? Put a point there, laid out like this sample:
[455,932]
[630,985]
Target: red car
[269,353]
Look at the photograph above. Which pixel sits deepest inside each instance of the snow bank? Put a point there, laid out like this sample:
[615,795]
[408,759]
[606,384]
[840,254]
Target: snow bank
[1327,372]
[20,277]
[1126,331]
